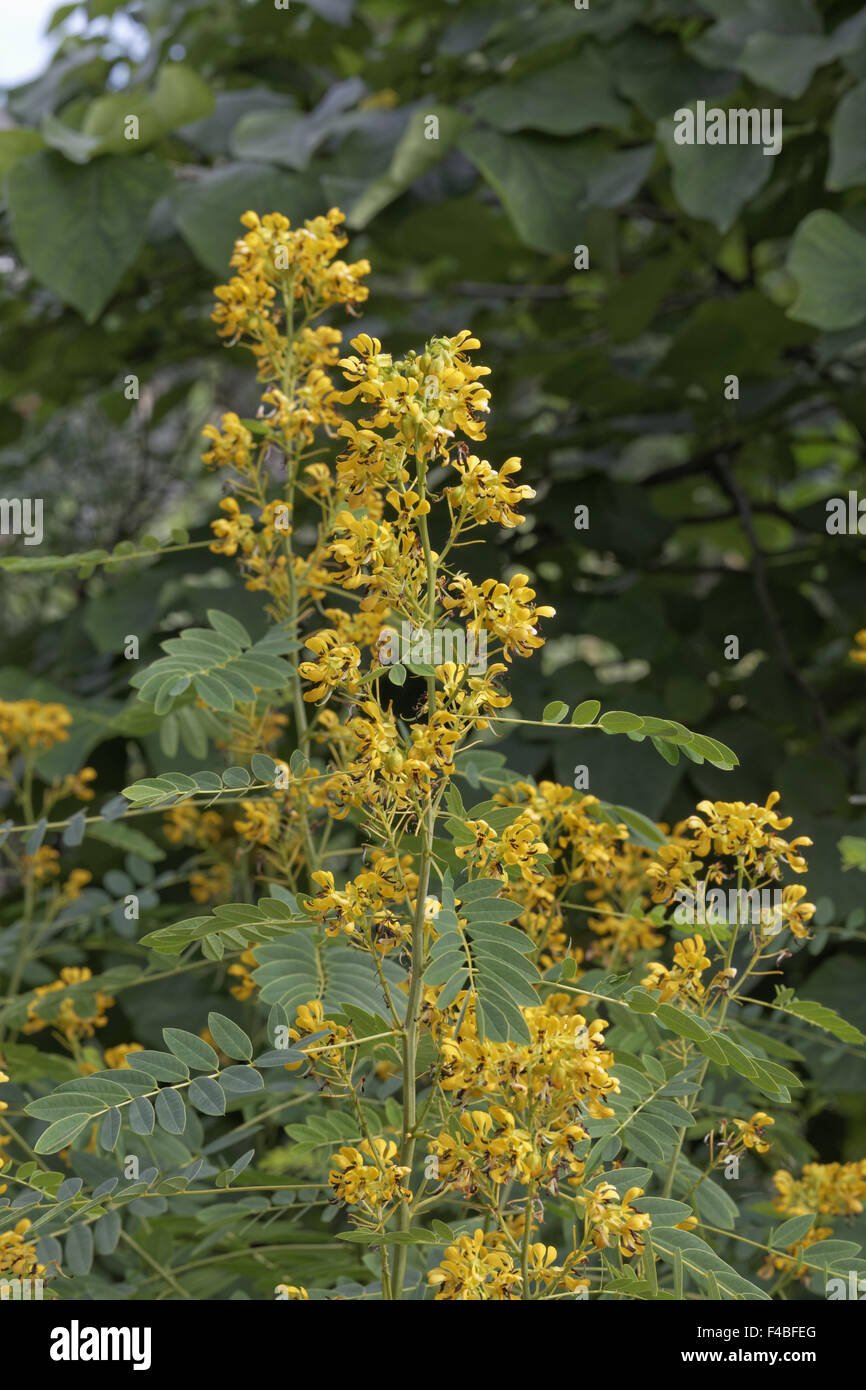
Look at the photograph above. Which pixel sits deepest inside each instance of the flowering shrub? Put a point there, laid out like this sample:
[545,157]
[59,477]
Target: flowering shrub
[462,1035]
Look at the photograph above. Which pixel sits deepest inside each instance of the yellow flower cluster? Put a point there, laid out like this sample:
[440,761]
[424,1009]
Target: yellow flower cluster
[366,904]
[476,1269]
[29,725]
[310,1021]
[211,885]
[585,850]
[372,539]
[829,1189]
[741,842]
[67,1020]
[279,268]
[368,1177]
[188,825]
[535,1091]
[18,1254]
[492,853]
[241,971]
[683,981]
[479,1268]
[611,1219]
[749,833]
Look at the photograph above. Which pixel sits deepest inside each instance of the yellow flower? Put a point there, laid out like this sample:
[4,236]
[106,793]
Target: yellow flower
[232,444]
[77,784]
[67,1021]
[241,970]
[748,833]
[261,822]
[337,664]
[610,1218]
[29,724]
[116,1057]
[752,1132]
[77,880]
[506,611]
[475,1269]
[211,885]
[859,652]
[683,981]
[18,1255]
[187,825]
[357,1181]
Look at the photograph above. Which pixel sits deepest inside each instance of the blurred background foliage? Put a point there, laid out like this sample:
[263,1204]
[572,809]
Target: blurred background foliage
[707,516]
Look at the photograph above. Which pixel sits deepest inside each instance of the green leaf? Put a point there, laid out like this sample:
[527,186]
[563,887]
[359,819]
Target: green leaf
[785,63]
[162,1066]
[17,144]
[207,1095]
[179,98]
[416,153]
[79,228]
[195,1052]
[125,837]
[585,713]
[263,767]
[416,1235]
[229,1038]
[222,670]
[290,137]
[79,1250]
[110,1129]
[828,261]
[106,1233]
[62,1103]
[791,1232]
[544,184]
[821,1017]
[36,836]
[713,183]
[641,829]
[74,832]
[140,1115]
[668,751]
[170,1111]
[853,851]
[847,157]
[554,713]
[563,98]
[232,924]
[663,1210]
[241,1080]
[686,1025]
[619,721]
[61,1133]
[207,211]
[237,778]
